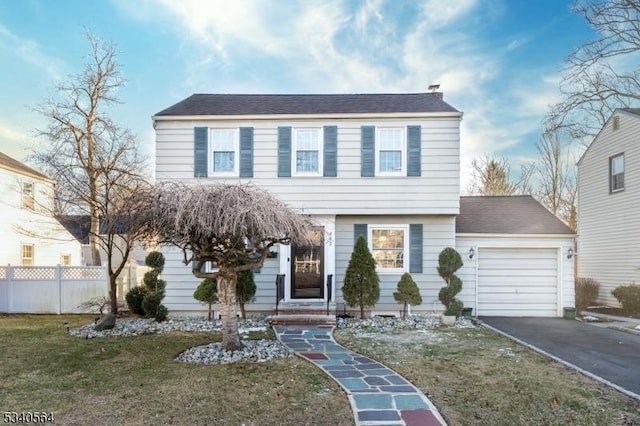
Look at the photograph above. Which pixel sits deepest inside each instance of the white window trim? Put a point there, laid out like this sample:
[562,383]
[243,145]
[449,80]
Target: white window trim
[294,150]
[405,228]
[62,256]
[403,152]
[236,152]
[611,175]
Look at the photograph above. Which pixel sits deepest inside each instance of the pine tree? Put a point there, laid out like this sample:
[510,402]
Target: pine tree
[408,293]
[361,283]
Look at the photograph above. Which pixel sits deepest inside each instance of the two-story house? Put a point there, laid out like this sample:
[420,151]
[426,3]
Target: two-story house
[382,166]
[609,203]
[31,236]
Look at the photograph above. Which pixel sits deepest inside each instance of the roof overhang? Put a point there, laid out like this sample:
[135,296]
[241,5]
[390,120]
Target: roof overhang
[469,235]
[254,117]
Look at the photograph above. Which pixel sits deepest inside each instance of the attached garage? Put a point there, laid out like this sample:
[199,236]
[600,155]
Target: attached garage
[518,281]
[517,258]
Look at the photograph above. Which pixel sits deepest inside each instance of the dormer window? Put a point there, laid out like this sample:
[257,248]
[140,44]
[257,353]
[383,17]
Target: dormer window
[616,173]
[28,201]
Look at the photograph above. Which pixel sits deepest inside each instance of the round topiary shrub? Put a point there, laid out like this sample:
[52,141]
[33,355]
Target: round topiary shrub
[449,261]
[134,299]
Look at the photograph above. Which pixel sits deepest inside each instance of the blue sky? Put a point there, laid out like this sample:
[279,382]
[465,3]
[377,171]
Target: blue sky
[498,61]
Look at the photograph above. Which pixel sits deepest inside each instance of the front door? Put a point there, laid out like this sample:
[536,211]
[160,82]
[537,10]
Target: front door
[307,267]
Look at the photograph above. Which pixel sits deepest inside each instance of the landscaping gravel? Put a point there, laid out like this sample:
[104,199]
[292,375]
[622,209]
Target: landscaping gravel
[253,350]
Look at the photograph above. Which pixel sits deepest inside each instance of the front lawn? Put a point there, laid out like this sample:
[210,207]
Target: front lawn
[476,377]
[134,380]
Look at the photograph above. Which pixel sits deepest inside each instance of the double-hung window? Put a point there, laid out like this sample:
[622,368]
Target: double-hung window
[389,246]
[391,151]
[616,173]
[308,151]
[65,259]
[28,200]
[27,254]
[224,152]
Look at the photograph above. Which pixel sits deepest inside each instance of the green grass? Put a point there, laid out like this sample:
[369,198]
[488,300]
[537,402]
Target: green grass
[134,380]
[476,377]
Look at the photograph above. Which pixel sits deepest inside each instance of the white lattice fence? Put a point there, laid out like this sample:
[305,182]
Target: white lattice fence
[58,289]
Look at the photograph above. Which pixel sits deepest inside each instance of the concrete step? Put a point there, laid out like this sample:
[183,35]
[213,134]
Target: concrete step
[301,319]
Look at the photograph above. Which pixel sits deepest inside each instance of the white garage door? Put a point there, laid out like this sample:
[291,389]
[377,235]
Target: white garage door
[518,282]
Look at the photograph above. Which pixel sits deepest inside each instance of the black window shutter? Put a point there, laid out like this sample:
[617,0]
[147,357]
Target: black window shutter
[367,151]
[415,248]
[330,151]
[414,153]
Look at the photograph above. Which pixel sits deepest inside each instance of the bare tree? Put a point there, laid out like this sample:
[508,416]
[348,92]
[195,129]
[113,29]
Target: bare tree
[95,163]
[492,176]
[230,227]
[79,134]
[602,74]
[556,187]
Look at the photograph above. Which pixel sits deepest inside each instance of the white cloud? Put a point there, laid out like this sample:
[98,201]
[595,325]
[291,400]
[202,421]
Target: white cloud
[30,52]
[351,46]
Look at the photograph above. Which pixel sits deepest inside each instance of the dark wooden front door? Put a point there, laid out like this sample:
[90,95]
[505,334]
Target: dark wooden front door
[307,267]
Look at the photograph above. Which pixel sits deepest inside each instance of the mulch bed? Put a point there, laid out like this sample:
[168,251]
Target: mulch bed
[611,311]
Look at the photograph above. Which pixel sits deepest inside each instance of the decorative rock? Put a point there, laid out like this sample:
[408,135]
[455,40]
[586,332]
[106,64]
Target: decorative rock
[252,351]
[106,323]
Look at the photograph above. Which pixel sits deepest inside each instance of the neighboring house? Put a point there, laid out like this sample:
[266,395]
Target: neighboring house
[382,166]
[80,225]
[31,236]
[609,205]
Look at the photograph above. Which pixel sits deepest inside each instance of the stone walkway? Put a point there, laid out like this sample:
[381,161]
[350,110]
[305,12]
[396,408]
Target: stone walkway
[378,395]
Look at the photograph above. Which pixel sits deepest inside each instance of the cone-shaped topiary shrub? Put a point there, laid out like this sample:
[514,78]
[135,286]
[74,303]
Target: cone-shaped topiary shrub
[245,290]
[361,283]
[449,261]
[408,293]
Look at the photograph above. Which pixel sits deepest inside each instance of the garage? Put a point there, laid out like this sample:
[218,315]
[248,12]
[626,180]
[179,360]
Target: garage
[518,258]
[518,281]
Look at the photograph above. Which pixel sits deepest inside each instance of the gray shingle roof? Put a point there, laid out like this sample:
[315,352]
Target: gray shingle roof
[507,215]
[9,163]
[245,104]
[635,111]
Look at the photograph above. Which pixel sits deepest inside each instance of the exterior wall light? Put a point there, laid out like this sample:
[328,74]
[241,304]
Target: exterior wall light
[570,253]
[472,252]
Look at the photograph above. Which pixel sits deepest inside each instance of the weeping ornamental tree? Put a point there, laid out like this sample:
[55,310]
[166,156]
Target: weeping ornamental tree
[230,226]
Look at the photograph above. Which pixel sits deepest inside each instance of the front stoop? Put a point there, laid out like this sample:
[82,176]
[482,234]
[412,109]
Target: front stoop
[303,313]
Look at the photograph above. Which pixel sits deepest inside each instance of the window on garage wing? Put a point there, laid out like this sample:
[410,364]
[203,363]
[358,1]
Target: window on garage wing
[616,173]
[389,247]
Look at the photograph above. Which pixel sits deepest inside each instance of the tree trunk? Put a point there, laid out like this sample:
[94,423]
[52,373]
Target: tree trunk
[361,311]
[404,311]
[209,317]
[113,296]
[242,311]
[227,300]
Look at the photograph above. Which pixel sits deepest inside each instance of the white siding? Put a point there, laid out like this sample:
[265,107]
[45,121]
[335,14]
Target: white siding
[438,233]
[608,226]
[181,284]
[522,262]
[23,226]
[436,191]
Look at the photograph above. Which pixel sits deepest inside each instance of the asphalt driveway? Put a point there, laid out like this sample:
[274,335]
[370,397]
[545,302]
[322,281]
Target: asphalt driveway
[610,354]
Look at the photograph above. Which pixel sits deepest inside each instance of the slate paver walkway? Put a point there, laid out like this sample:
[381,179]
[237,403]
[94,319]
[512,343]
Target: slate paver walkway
[378,395]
